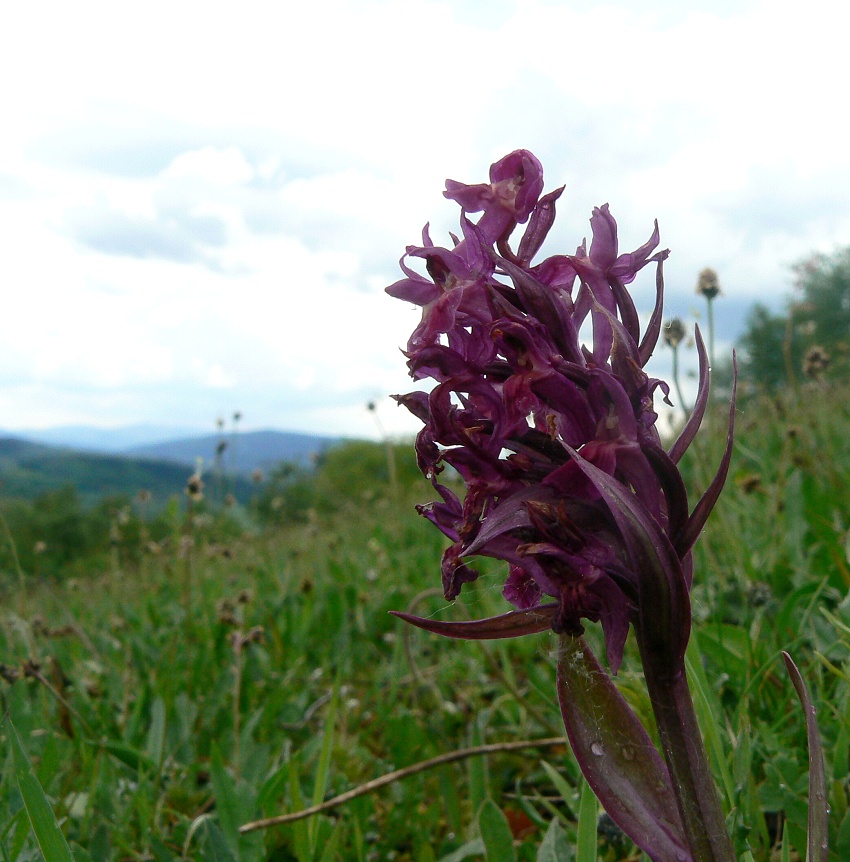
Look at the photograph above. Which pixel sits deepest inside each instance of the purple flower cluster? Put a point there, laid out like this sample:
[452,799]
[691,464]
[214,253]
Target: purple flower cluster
[555,440]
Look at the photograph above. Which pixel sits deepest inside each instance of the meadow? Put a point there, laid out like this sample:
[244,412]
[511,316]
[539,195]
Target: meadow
[167,698]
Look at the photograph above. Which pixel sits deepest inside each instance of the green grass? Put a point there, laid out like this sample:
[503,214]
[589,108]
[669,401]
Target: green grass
[156,722]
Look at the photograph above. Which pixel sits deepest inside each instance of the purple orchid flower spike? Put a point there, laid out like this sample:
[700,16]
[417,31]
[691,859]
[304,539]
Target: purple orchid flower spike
[567,481]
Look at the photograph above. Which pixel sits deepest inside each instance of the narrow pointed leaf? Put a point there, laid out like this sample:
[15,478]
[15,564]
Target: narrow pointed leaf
[49,836]
[587,832]
[664,605]
[510,625]
[818,809]
[685,540]
[653,328]
[695,419]
[616,755]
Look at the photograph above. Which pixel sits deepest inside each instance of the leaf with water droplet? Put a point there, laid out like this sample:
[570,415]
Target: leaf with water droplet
[616,755]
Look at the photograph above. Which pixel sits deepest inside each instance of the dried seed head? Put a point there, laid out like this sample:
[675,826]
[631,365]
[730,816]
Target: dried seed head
[749,484]
[257,476]
[226,612]
[815,362]
[707,283]
[195,487]
[674,332]
[9,674]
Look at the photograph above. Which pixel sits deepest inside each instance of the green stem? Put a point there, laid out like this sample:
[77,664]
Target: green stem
[676,381]
[710,301]
[693,783]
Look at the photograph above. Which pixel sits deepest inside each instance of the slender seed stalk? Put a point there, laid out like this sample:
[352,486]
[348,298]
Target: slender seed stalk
[238,663]
[676,382]
[711,358]
[13,548]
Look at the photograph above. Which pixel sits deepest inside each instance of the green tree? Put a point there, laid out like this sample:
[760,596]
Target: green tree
[812,338]
[823,282]
[763,344]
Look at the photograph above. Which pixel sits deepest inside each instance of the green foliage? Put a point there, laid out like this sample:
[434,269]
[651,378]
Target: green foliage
[775,345]
[354,472]
[823,282]
[158,719]
[765,358]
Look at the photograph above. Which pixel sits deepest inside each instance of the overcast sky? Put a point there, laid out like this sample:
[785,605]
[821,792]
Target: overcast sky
[201,203]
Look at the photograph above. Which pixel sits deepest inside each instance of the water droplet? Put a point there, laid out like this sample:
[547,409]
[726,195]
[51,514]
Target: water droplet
[597,749]
[628,753]
[824,844]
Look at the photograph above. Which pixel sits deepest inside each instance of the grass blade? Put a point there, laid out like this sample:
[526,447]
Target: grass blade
[586,840]
[47,833]
[320,787]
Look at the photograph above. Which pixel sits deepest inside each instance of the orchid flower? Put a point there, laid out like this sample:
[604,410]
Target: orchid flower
[567,481]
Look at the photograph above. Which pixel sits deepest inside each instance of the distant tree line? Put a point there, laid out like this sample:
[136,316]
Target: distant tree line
[56,535]
[810,340]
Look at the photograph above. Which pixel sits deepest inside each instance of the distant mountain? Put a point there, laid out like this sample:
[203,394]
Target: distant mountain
[88,438]
[98,463]
[242,453]
[28,469]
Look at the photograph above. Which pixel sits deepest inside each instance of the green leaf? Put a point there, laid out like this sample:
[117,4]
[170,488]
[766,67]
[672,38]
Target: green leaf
[160,852]
[554,847]
[226,799]
[842,842]
[216,849]
[155,745]
[49,836]
[471,848]
[129,756]
[496,833]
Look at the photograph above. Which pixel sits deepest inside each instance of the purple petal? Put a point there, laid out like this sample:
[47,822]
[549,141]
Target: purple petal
[603,247]
[473,199]
[511,625]
[521,590]
[616,755]
[519,175]
[627,266]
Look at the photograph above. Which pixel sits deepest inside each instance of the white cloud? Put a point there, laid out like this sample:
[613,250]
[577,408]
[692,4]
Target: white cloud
[236,186]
